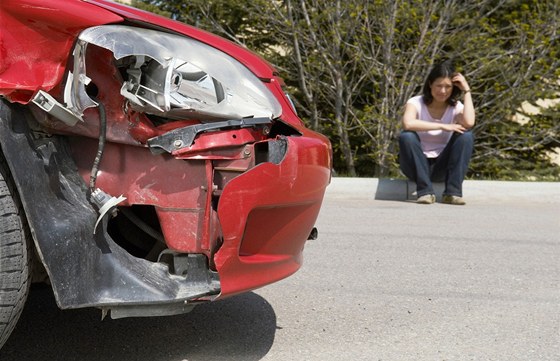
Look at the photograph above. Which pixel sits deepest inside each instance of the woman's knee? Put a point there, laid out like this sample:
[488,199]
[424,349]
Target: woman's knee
[408,137]
[465,139]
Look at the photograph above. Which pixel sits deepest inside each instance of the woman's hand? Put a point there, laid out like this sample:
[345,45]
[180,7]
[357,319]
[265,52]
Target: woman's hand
[453,128]
[460,81]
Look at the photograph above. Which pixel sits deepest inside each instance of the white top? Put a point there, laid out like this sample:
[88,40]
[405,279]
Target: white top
[434,141]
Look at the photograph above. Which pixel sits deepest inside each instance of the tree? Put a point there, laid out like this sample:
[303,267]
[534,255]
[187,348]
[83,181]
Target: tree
[352,65]
[324,52]
[231,19]
[402,41]
[521,65]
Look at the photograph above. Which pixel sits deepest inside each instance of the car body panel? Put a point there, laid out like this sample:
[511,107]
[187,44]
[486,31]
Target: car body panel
[36,39]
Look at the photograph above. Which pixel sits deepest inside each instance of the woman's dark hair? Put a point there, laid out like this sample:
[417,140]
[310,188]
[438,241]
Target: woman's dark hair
[442,70]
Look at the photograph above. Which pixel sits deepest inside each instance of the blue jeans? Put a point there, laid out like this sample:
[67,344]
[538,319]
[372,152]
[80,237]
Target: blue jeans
[451,166]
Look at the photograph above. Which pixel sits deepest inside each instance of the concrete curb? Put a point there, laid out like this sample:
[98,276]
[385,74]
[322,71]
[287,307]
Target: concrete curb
[473,190]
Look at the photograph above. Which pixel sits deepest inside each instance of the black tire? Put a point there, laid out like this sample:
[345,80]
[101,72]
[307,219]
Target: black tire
[14,257]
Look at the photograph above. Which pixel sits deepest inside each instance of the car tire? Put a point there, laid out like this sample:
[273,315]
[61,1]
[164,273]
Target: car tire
[14,256]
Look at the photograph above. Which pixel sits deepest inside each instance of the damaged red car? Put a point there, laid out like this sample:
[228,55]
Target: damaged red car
[146,166]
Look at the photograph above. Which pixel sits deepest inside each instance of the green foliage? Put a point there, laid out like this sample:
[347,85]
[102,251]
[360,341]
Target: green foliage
[150,7]
[350,67]
[528,155]
[231,19]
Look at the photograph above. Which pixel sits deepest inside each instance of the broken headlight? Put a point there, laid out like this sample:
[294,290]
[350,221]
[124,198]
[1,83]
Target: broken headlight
[173,76]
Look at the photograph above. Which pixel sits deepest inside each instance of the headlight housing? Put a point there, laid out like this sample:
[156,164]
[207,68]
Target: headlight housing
[173,76]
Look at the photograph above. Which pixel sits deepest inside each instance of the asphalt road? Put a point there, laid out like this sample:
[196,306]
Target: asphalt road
[386,280]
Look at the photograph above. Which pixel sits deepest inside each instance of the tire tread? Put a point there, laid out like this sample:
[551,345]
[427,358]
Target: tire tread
[14,257]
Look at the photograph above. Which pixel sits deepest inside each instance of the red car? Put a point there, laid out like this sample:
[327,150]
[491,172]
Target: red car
[146,165]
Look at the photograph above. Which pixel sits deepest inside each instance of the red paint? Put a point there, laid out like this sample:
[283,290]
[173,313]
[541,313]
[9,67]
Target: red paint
[36,38]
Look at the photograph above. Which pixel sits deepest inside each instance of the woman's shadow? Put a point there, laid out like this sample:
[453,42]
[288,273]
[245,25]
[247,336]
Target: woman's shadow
[241,327]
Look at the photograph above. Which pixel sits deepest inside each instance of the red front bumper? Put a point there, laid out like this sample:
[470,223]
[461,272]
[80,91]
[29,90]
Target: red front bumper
[267,214]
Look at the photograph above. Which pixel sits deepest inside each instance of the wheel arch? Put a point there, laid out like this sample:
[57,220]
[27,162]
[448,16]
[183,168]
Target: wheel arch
[86,269]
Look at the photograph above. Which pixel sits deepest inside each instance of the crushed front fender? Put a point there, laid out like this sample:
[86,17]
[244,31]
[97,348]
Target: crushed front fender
[86,269]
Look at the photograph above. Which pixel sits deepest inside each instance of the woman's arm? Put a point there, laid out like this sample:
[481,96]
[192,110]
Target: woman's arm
[467,117]
[410,122]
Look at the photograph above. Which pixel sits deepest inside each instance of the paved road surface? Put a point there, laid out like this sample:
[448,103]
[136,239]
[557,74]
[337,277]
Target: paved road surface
[386,280]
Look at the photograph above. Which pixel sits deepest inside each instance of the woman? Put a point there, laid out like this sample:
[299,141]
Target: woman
[435,144]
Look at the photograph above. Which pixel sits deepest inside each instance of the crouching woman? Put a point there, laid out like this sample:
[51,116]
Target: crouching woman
[436,144]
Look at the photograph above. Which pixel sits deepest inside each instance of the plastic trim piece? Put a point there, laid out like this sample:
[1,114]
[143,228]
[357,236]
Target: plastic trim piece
[184,137]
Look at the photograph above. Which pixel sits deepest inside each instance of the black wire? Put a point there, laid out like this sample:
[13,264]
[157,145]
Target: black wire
[142,225]
[100,147]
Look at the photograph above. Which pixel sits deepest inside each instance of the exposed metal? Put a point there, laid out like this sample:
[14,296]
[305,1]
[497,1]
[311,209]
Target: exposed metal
[50,105]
